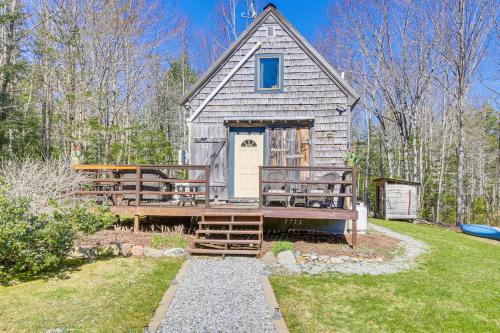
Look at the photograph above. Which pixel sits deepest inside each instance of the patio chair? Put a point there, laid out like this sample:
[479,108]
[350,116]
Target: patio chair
[327,201]
[281,188]
[332,201]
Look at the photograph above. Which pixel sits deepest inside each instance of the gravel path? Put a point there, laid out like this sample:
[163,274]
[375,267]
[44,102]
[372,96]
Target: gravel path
[218,295]
[412,249]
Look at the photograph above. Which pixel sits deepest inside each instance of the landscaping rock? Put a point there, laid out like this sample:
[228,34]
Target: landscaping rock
[137,251]
[114,249]
[153,253]
[174,252]
[125,249]
[286,258]
[378,259]
[298,253]
[268,258]
[323,258]
[344,258]
[293,268]
[300,260]
[313,257]
[334,260]
[355,259]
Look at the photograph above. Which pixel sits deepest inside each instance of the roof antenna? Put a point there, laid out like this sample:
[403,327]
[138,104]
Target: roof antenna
[251,13]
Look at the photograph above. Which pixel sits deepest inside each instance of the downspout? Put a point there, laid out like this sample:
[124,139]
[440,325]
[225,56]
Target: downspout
[224,81]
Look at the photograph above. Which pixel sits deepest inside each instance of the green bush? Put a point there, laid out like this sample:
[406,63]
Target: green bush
[281,247]
[168,241]
[31,244]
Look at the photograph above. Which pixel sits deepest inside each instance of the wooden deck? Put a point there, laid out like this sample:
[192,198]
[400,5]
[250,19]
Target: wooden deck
[267,212]
[185,191]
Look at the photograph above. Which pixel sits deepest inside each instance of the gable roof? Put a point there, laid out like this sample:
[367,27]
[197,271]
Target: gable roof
[344,86]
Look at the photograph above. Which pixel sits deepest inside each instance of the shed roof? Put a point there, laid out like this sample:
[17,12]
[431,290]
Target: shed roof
[343,85]
[394,181]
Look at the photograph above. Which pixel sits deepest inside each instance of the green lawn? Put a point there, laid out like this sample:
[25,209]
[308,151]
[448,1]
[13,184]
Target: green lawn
[115,295]
[456,288]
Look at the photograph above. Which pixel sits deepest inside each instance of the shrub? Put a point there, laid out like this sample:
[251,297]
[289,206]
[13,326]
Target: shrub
[41,182]
[159,241]
[281,247]
[31,244]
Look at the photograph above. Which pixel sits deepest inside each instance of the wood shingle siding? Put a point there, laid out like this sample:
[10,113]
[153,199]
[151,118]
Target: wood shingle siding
[308,91]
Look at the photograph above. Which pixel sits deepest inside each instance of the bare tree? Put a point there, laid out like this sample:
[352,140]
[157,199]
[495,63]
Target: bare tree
[462,30]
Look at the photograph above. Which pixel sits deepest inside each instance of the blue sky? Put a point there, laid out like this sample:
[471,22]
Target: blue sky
[308,17]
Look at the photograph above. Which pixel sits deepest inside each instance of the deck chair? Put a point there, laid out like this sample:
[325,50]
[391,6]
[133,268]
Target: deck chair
[275,175]
[327,201]
[332,201]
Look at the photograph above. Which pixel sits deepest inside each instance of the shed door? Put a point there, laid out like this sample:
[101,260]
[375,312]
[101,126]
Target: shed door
[248,156]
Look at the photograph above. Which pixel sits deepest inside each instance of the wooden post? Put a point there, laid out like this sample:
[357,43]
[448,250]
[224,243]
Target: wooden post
[136,223]
[138,175]
[207,186]
[261,196]
[353,190]
[354,223]
[354,239]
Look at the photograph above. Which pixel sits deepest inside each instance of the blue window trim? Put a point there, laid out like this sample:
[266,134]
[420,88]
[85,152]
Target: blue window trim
[232,132]
[257,73]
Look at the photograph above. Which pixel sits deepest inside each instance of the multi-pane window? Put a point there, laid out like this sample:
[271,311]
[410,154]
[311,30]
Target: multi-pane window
[269,73]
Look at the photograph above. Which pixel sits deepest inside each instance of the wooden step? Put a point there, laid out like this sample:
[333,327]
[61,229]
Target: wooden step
[235,223]
[230,232]
[214,251]
[226,241]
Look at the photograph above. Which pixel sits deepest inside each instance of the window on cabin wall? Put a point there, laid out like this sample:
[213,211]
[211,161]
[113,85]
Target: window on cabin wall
[269,73]
[289,146]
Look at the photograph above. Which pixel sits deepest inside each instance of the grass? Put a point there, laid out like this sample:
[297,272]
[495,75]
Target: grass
[281,247]
[455,288]
[115,295]
[168,241]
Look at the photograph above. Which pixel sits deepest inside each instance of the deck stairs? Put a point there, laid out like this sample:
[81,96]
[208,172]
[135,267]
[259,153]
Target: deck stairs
[234,233]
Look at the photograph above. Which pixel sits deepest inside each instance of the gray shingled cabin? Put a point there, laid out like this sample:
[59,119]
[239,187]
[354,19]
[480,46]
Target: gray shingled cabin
[270,99]
[268,130]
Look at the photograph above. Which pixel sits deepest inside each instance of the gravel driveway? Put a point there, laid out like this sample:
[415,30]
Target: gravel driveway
[218,295]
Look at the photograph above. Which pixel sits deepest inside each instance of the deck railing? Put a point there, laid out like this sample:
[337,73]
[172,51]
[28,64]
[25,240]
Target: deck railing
[138,183]
[309,186]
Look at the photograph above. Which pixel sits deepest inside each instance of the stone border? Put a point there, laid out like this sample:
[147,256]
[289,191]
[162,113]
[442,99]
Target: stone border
[288,263]
[125,250]
[273,306]
[162,309]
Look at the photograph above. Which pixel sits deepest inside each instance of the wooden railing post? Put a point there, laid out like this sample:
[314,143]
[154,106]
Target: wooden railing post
[353,189]
[261,195]
[354,225]
[138,175]
[207,186]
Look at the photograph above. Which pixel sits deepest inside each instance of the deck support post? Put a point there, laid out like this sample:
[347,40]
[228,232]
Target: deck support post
[354,233]
[261,195]
[137,220]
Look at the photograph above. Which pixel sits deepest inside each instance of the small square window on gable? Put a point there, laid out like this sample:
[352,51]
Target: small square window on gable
[268,73]
[270,31]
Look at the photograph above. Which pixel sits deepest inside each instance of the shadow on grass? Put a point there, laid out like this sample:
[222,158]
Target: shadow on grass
[62,271]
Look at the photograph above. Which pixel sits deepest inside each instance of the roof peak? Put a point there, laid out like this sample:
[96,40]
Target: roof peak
[270,5]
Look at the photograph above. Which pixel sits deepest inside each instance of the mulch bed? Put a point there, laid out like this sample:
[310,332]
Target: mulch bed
[107,237]
[370,245]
